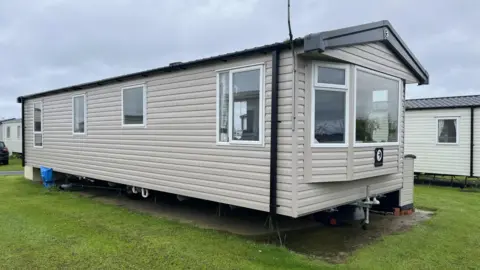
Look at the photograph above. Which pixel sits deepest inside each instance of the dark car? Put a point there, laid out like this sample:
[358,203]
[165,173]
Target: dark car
[3,153]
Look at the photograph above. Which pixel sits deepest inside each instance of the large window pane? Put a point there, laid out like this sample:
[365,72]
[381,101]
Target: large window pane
[329,75]
[8,132]
[133,106]
[246,105]
[329,116]
[37,117]
[377,108]
[447,130]
[79,114]
[223,85]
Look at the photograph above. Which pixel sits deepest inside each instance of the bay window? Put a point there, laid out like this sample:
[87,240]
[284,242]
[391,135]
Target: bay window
[240,105]
[377,100]
[330,105]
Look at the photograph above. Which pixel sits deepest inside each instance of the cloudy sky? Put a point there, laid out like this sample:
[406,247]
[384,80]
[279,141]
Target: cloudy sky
[46,44]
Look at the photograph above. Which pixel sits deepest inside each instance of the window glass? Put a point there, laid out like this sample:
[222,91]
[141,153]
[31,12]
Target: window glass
[37,117]
[223,85]
[377,104]
[19,132]
[329,116]
[2,145]
[329,75]
[79,114]
[38,139]
[133,111]
[447,131]
[246,105]
[8,132]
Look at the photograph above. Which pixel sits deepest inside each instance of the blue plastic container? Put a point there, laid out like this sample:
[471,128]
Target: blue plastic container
[47,176]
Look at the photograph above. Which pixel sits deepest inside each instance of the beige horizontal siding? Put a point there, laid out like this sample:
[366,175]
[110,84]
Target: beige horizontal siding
[375,56]
[176,152]
[421,141]
[337,176]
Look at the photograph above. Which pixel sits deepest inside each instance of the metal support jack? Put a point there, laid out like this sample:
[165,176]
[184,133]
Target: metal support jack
[366,205]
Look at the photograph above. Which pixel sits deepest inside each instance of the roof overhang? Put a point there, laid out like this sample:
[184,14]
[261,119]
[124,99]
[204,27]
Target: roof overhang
[381,31]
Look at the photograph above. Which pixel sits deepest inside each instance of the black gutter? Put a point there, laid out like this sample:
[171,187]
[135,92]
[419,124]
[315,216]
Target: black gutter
[472,121]
[274,135]
[23,133]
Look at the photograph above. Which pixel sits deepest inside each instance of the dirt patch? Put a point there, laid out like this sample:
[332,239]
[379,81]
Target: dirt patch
[302,235]
[336,244]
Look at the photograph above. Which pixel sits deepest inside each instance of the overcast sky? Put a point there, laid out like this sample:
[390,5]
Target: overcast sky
[46,44]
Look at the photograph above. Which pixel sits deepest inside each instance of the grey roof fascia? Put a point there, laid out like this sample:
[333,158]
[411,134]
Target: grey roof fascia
[381,31]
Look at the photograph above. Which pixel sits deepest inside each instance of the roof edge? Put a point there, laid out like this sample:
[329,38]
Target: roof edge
[165,69]
[381,31]
[443,108]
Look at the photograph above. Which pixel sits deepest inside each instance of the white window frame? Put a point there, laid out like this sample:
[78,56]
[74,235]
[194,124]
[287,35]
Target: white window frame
[41,124]
[318,64]
[8,132]
[457,130]
[330,87]
[84,114]
[144,125]
[261,120]
[400,102]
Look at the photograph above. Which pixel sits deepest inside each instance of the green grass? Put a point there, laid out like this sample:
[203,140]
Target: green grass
[14,164]
[50,229]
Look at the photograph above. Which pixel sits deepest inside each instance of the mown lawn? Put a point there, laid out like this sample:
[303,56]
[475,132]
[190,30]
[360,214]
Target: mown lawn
[41,229]
[14,164]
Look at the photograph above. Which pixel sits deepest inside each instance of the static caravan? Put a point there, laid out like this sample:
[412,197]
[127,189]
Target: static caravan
[11,135]
[289,128]
[443,133]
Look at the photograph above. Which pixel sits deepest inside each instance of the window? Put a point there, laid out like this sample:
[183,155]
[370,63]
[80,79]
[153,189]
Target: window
[79,114]
[37,124]
[19,132]
[377,99]
[330,105]
[2,145]
[8,132]
[447,131]
[134,107]
[240,105]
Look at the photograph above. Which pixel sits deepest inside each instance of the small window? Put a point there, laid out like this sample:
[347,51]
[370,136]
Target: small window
[331,75]
[38,124]
[376,107]
[8,132]
[329,105]
[134,106]
[79,114]
[240,105]
[19,132]
[447,131]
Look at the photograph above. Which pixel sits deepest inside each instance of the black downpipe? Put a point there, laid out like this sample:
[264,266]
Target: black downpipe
[274,135]
[472,121]
[23,132]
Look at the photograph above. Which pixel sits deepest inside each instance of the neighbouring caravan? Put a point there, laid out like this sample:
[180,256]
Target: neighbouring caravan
[443,133]
[244,128]
[11,135]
